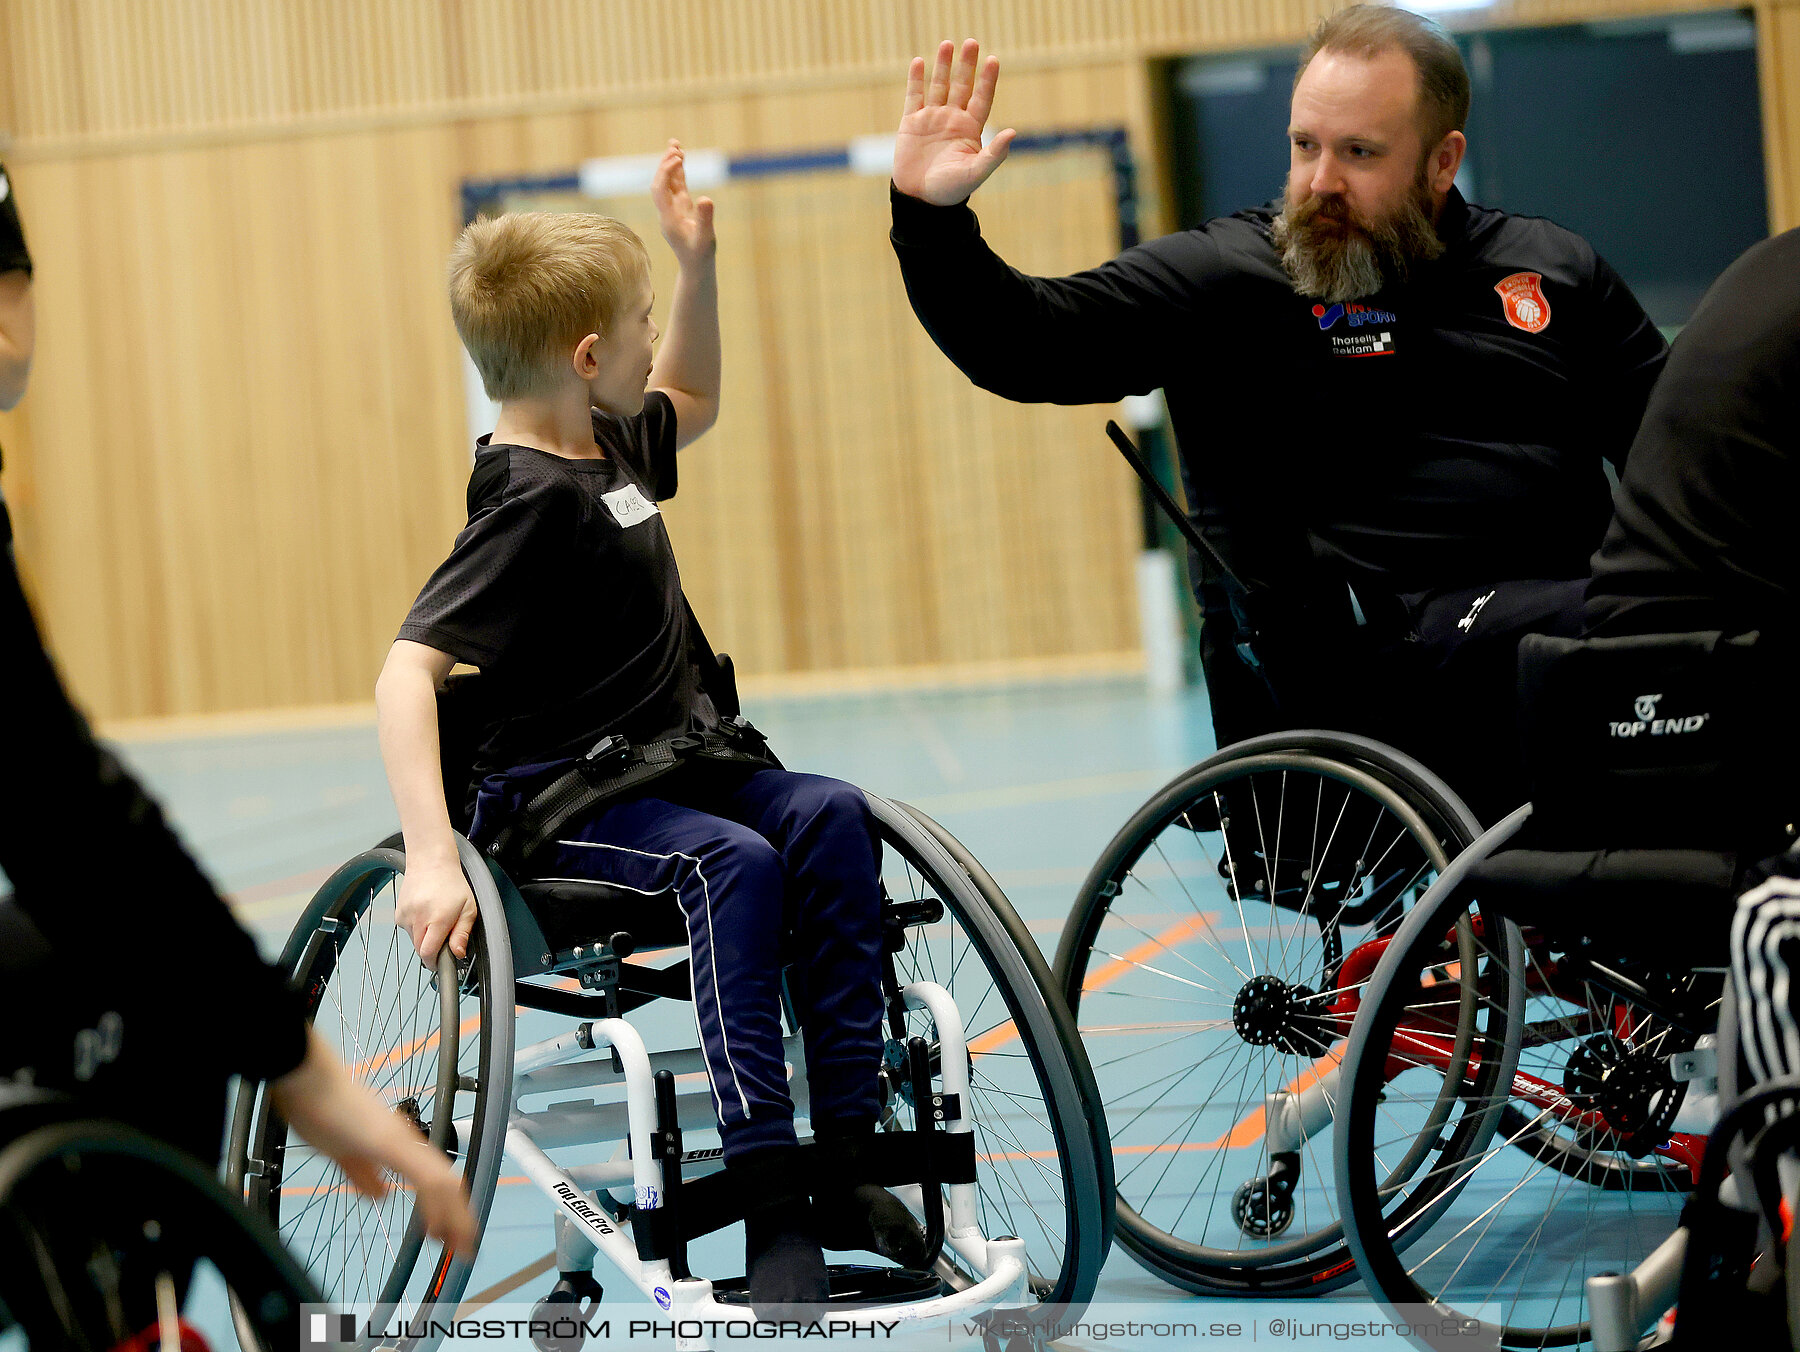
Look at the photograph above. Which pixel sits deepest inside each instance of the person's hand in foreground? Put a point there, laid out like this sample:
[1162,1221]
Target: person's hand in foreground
[341,1119]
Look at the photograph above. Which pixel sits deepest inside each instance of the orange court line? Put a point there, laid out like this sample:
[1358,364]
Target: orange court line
[323,1189]
[381,1062]
[1244,1133]
[1250,1129]
[1180,930]
[1001,1034]
[296,883]
[1120,1029]
[997,1036]
[375,1064]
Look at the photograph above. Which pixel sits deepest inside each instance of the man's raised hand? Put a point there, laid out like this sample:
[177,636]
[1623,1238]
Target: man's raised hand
[938,155]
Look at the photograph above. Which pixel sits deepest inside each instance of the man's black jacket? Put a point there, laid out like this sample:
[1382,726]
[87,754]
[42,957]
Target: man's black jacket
[1441,434]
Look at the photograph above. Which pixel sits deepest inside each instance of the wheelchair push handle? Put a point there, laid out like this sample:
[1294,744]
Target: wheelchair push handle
[1166,501]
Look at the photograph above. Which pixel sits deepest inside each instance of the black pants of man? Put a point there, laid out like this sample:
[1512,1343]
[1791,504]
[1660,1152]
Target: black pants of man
[1434,674]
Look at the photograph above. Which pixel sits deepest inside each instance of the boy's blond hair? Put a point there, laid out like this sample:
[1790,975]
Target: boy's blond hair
[524,286]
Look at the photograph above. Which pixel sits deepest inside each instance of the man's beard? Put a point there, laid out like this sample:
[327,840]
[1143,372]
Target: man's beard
[1332,254]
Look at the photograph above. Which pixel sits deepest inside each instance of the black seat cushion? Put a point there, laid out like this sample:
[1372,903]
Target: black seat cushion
[1653,741]
[1670,909]
[574,911]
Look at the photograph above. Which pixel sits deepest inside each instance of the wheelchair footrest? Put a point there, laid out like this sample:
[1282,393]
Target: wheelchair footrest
[895,1159]
[853,1284]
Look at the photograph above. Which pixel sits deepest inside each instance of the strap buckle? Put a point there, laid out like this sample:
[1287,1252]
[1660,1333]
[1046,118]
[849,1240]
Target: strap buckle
[605,758]
[738,728]
[1246,651]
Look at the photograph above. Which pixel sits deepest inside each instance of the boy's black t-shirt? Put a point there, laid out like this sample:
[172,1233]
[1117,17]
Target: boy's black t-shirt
[563,589]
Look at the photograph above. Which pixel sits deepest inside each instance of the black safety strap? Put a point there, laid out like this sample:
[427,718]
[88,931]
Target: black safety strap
[613,768]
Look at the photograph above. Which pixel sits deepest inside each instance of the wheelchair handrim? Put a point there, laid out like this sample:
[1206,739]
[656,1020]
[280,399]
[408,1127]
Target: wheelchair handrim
[346,897]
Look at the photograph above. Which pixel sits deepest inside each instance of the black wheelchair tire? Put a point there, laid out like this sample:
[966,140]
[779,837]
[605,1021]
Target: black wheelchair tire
[322,931]
[1383,1222]
[1322,1262]
[1006,948]
[192,1210]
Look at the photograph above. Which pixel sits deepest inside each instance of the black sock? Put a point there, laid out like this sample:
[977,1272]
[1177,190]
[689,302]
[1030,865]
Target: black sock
[855,1213]
[781,1246]
[868,1216]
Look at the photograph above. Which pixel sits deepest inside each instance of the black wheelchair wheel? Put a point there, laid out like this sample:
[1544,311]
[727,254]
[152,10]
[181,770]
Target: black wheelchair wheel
[1042,1160]
[1210,959]
[435,1046]
[1555,1163]
[101,1228]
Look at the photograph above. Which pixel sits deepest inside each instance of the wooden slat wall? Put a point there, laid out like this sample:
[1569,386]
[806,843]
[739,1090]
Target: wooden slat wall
[1778,54]
[245,422]
[87,72]
[243,447]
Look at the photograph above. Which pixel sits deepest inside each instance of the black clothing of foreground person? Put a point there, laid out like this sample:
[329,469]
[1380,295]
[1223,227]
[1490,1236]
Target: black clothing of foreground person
[1703,531]
[125,982]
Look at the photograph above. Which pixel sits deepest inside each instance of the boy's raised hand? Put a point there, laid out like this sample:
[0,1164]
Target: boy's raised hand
[938,155]
[687,222]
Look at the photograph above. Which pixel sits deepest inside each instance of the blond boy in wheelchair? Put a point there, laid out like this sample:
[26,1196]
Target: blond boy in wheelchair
[563,589]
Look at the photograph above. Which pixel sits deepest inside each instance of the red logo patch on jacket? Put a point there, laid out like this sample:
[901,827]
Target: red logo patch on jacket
[1522,297]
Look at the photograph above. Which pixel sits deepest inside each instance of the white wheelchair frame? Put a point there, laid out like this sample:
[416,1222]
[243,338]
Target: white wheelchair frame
[584,1228]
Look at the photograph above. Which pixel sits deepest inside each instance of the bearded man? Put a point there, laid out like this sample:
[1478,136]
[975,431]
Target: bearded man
[1392,406]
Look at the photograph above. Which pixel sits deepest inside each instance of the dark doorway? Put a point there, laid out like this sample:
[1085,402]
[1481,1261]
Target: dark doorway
[1644,135]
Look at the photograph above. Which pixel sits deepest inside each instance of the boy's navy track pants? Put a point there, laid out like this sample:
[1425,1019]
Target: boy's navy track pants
[769,868]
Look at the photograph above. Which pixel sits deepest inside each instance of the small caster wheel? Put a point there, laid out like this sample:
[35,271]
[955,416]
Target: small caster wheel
[1262,1209]
[564,1312]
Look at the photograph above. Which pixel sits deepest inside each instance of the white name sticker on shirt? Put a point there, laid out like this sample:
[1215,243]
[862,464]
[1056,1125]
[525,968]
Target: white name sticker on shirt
[629,506]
